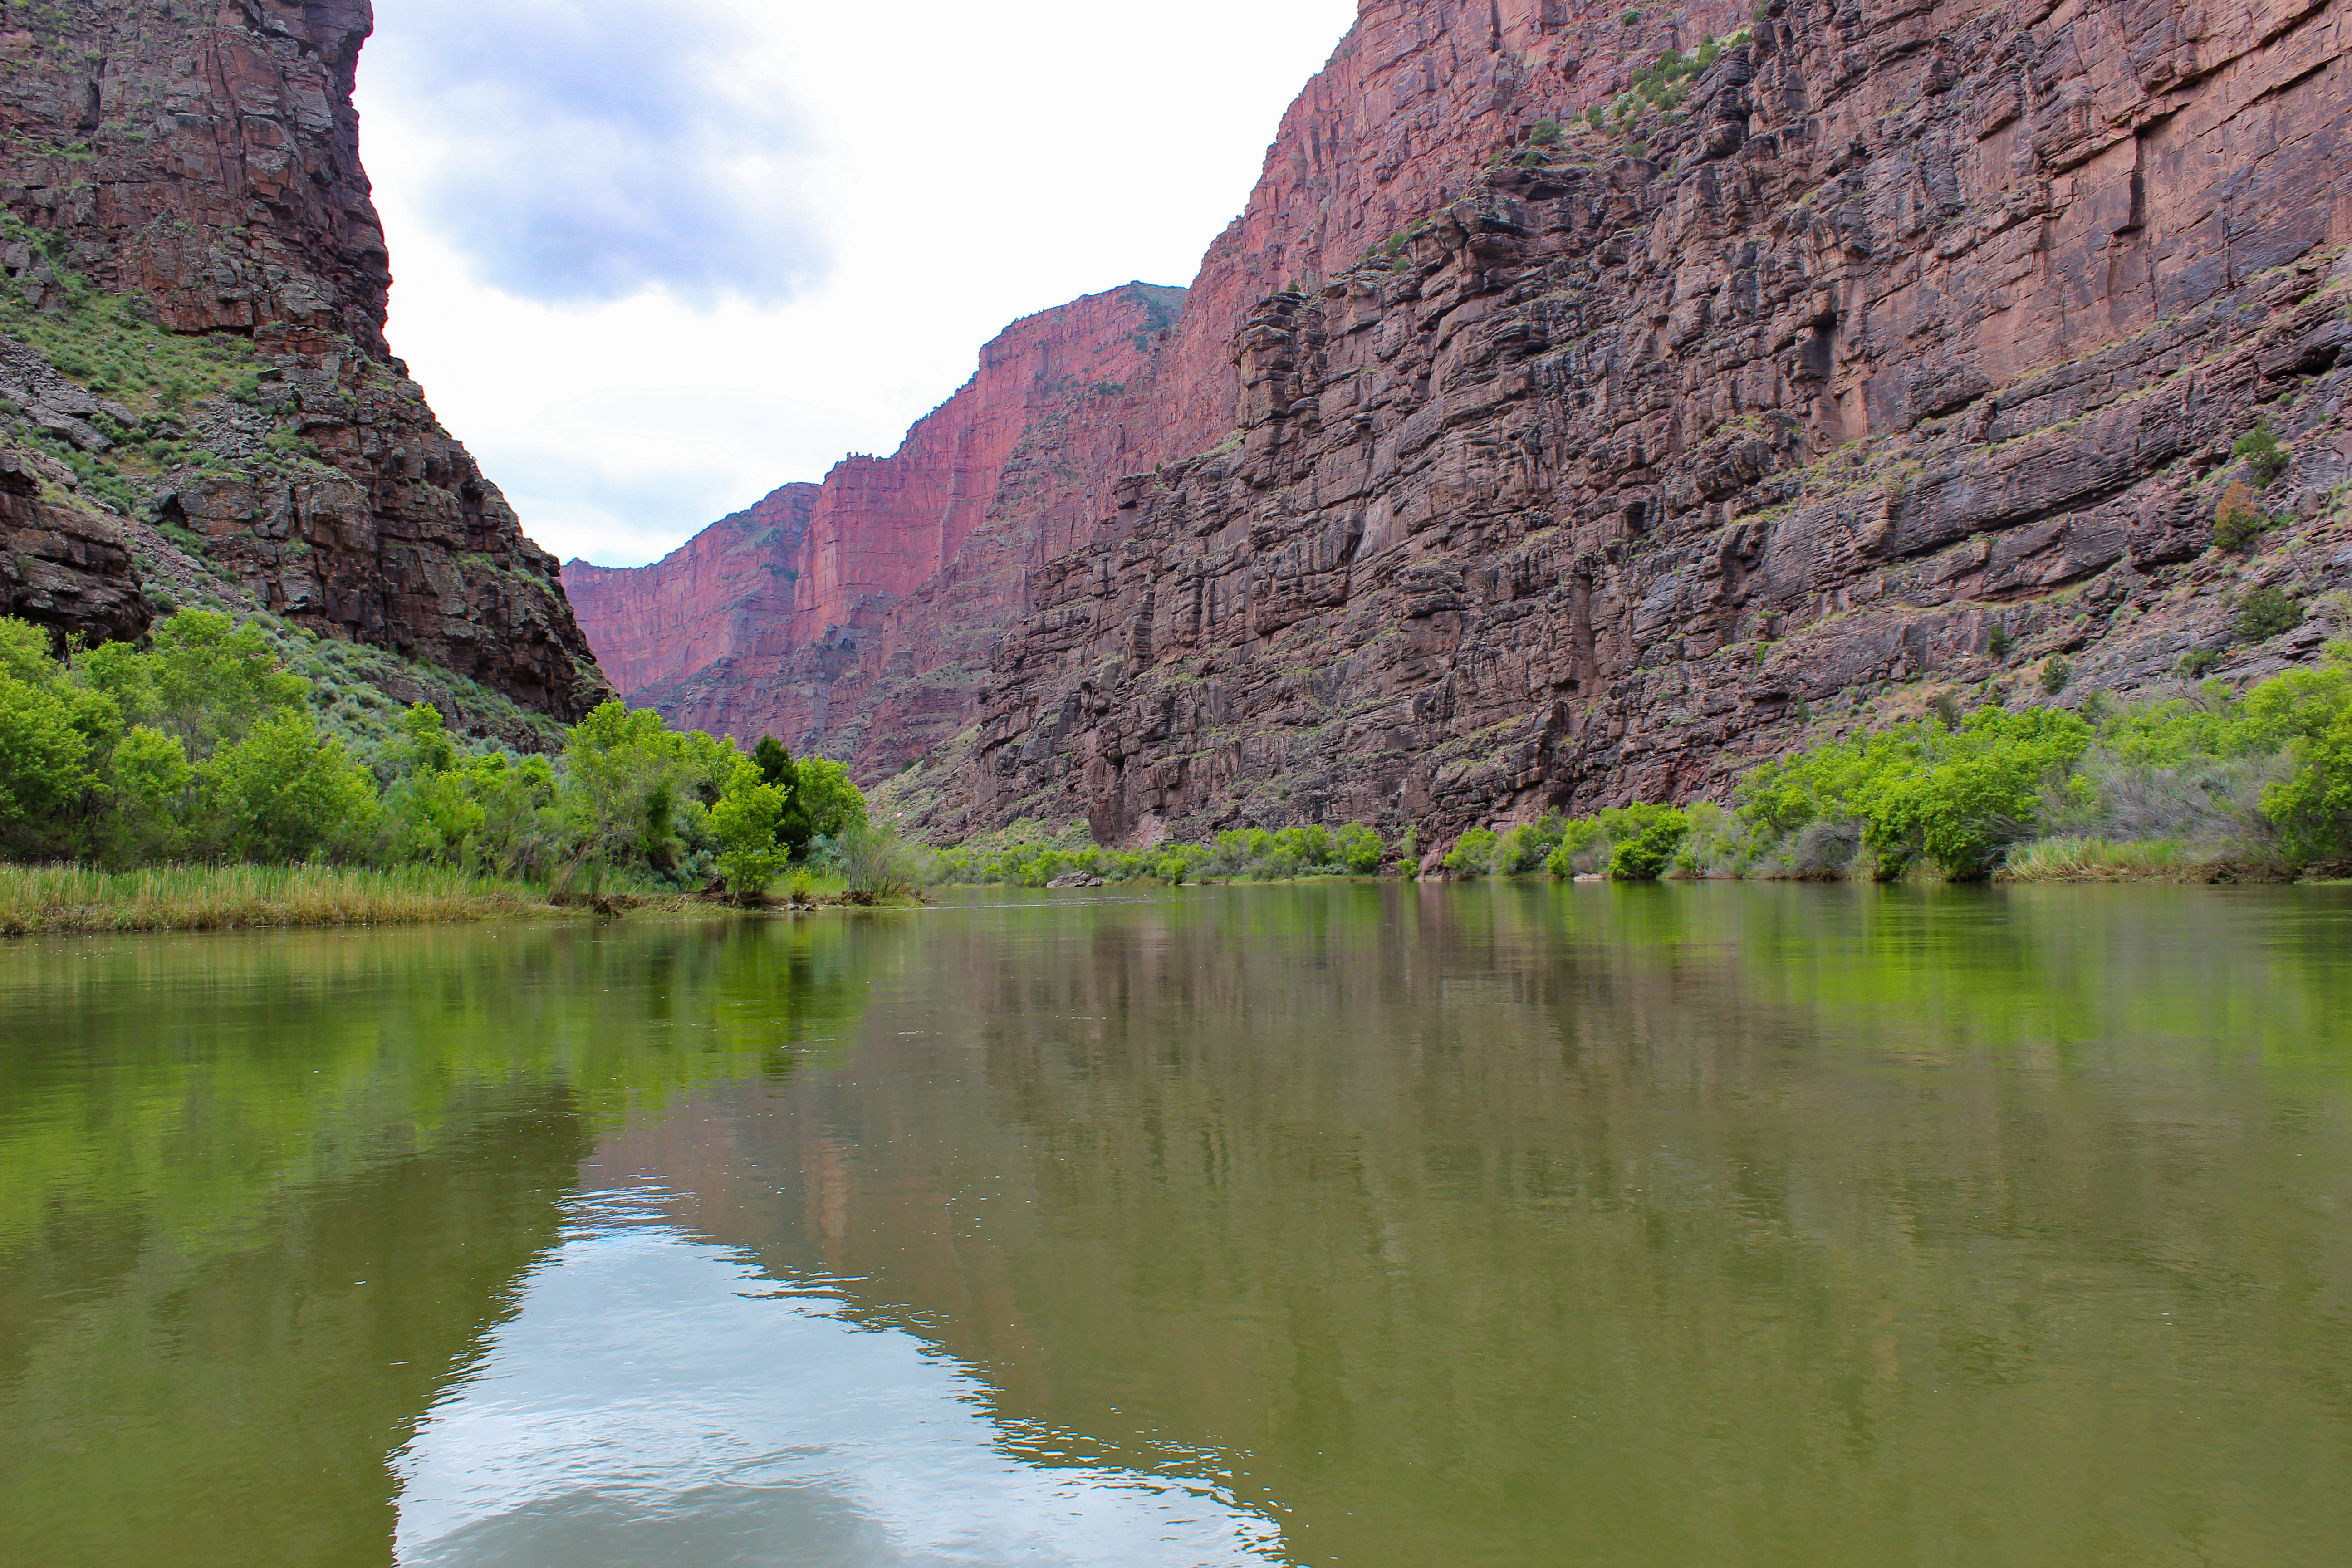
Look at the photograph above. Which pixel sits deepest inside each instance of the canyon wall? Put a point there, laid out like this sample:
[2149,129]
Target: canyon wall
[724,594]
[174,175]
[919,560]
[1692,435]
[867,620]
[1567,421]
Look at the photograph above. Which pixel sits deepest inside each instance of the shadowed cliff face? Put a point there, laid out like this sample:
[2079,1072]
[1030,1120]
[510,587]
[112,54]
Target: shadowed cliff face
[1481,475]
[204,164]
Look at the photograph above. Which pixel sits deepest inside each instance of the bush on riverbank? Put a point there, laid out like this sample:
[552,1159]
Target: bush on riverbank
[1026,854]
[200,747]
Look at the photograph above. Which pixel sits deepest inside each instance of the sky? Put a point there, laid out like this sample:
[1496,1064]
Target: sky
[653,258]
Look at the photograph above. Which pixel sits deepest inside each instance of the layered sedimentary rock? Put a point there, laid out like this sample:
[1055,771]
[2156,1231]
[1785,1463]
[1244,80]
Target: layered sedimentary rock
[725,594]
[1660,446]
[866,619]
[1413,100]
[61,567]
[1563,423]
[203,164]
[1411,104]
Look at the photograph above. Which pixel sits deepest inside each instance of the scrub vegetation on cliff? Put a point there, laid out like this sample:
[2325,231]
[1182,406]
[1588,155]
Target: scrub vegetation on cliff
[2217,784]
[215,748]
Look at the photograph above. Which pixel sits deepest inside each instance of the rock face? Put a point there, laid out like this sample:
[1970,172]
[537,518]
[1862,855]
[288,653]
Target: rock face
[724,594]
[1498,464]
[203,164]
[860,615]
[1915,322]
[63,567]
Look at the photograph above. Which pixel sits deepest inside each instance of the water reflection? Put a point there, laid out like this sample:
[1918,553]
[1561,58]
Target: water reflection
[1363,1225]
[654,1399]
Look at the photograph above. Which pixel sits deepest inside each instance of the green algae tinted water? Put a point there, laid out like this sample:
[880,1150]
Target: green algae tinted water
[1352,1225]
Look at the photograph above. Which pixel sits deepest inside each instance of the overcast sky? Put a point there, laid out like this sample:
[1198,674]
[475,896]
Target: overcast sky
[654,258]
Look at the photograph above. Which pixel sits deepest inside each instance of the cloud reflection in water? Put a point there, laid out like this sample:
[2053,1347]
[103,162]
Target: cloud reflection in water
[657,1401]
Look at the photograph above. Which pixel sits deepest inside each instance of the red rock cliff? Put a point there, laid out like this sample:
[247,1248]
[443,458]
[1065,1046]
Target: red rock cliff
[1483,474]
[918,559]
[725,594]
[203,162]
[1413,102]
[907,564]
[1671,444]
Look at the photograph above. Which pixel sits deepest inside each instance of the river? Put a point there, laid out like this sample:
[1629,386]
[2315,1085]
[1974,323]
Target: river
[1380,1225]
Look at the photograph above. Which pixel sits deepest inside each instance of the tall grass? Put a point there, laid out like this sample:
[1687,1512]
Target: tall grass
[2073,859]
[67,900]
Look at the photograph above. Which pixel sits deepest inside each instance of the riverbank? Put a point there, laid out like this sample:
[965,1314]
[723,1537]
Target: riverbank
[68,900]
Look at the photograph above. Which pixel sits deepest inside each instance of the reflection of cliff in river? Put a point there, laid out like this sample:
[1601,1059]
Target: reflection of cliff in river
[260,1198]
[1615,1225]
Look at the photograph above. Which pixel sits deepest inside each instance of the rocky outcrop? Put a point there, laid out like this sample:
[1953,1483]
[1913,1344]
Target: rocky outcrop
[61,567]
[172,174]
[1661,448]
[1412,103]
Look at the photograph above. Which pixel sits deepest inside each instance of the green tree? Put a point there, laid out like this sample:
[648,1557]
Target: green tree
[834,804]
[1359,849]
[42,753]
[152,796]
[285,791]
[746,819]
[625,777]
[1473,854]
[794,830]
[1644,857]
[209,679]
[2265,612]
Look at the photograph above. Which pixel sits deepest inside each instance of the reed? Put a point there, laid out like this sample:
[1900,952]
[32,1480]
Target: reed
[2086,860]
[73,899]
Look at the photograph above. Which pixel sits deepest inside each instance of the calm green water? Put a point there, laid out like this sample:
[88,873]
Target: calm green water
[1361,1224]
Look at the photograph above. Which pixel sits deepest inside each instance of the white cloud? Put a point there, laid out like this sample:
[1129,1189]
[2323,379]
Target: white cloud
[618,354]
[585,153]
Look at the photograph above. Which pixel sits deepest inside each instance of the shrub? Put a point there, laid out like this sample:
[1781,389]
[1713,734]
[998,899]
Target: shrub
[2266,612]
[285,791]
[1473,854]
[1547,133]
[2198,660]
[877,866]
[1409,853]
[1525,847]
[2313,810]
[1997,642]
[2237,523]
[2266,459]
[1358,849]
[1945,706]
[2055,675]
[1645,856]
[1953,797]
